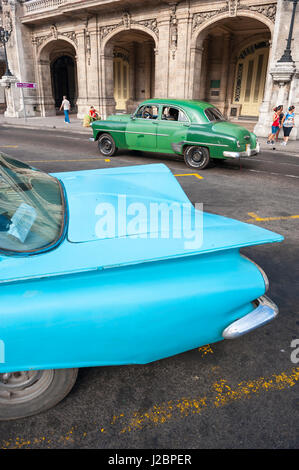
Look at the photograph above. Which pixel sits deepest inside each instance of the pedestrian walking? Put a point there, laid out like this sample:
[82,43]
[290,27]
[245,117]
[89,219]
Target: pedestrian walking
[66,105]
[275,124]
[288,123]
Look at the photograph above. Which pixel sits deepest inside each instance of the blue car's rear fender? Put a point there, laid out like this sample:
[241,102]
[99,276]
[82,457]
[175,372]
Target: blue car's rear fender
[133,314]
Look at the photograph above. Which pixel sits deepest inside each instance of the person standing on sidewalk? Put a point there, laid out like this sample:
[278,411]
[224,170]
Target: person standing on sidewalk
[281,116]
[275,124]
[288,123]
[66,105]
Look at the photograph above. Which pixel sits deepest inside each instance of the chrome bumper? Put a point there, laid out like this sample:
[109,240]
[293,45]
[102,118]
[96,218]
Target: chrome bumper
[247,153]
[91,139]
[262,314]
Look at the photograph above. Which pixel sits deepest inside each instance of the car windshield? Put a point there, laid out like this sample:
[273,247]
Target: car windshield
[31,208]
[213,114]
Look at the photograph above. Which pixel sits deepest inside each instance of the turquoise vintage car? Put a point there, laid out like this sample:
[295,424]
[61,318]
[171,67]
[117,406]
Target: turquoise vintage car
[195,129]
[89,276]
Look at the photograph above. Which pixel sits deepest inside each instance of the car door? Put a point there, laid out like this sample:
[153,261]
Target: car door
[141,132]
[172,128]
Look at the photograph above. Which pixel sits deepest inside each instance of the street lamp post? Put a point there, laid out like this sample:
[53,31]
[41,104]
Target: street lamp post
[4,38]
[287,56]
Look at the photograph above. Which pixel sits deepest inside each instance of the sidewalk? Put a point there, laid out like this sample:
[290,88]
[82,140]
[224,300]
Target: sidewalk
[75,127]
[48,123]
[292,147]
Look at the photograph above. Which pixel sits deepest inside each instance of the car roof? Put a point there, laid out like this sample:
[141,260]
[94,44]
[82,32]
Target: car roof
[191,106]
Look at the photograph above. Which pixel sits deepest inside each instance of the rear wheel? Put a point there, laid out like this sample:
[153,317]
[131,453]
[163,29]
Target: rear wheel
[197,157]
[107,145]
[27,393]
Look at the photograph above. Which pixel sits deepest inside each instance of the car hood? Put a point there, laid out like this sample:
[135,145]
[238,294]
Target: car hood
[90,193]
[119,117]
[113,194]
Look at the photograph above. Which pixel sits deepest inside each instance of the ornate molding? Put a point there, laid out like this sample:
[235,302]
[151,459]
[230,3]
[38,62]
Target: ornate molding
[173,30]
[268,10]
[55,35]
[70,35]
[232,7]
[129,23]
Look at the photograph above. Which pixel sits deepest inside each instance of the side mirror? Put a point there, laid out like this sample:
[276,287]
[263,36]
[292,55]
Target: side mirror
[133,117]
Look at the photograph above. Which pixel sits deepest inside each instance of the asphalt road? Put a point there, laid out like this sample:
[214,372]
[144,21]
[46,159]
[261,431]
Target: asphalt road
[233,394]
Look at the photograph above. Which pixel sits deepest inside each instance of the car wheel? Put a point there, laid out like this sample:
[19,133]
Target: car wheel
[106,145]
[27,393]
[197,157]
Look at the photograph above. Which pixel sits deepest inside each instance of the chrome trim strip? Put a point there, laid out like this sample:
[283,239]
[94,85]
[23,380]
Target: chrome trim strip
[205,143]
[264,313]
[265,277]
[240,154]
[134,132]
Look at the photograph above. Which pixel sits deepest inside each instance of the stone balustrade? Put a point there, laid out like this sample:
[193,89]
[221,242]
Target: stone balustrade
[42,5]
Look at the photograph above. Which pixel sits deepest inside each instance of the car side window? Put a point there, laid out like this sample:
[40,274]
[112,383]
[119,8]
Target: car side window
[169,113]
[147,112]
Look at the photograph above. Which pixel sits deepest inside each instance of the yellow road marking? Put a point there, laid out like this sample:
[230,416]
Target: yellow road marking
[77,160]
[9,146]
[191,174]
[221,393]
[224,394]
[255,217]
[204,350]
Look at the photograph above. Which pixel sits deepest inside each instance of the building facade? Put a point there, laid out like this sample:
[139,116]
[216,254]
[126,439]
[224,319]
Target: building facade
[112,54]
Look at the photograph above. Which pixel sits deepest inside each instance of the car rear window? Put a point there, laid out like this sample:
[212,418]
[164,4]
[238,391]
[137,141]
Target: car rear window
[213,114]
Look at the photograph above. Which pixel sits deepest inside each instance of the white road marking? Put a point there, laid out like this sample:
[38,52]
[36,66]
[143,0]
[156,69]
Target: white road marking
[272,173]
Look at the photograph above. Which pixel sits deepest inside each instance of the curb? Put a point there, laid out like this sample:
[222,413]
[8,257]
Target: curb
[46,128]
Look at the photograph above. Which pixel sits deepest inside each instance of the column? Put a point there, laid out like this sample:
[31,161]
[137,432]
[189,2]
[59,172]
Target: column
[82,82]
[162,57]
[107,102]
[196,63]
[224,72]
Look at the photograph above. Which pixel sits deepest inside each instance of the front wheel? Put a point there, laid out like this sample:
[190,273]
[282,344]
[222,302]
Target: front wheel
[27,393]
[197,157]
[107,145]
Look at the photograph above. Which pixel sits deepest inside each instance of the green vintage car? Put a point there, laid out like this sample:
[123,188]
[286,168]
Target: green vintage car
[195,129]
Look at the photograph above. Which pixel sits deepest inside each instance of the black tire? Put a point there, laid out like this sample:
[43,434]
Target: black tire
[196,157]
[107,145]
[25,394]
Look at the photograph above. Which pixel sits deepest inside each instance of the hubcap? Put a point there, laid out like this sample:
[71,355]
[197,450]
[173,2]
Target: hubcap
[106,145]
[196,156]
[19,387]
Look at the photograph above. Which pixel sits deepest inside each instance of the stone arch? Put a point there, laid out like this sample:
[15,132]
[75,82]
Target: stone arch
[217,74]
[222,16]
[137,78]
[50,42]
[49,52]
[122,28]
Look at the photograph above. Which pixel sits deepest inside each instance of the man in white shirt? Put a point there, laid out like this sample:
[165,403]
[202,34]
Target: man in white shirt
[66,105]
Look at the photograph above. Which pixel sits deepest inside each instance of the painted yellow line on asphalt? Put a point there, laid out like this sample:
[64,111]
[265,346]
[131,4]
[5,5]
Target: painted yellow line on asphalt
[191,174]
[63,161]
[221,393]
[257,218]
[204,350]
[9,146]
